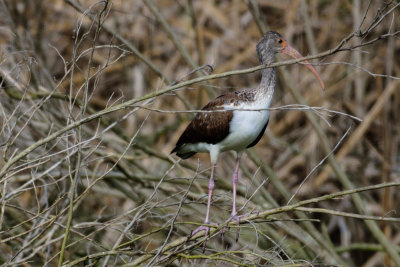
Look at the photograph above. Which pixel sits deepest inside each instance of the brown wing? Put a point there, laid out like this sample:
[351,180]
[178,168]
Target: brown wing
[209,127]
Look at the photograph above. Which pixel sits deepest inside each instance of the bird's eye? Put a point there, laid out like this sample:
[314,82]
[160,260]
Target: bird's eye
[280,41]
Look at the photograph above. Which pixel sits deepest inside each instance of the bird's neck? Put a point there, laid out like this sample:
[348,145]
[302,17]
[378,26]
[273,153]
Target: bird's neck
[268,80]
[268,77]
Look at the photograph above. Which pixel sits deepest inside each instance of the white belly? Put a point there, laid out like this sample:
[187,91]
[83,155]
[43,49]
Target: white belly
[245,127]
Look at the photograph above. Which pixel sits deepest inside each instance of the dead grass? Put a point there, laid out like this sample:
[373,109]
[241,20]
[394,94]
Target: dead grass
[86,177]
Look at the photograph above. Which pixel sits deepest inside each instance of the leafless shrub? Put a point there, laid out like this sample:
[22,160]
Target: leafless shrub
[93,98]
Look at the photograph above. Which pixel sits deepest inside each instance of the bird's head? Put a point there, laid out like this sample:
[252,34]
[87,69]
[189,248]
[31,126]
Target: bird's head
[272,43]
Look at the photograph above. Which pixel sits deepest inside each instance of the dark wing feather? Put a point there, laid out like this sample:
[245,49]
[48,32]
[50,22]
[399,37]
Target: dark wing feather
[208,127]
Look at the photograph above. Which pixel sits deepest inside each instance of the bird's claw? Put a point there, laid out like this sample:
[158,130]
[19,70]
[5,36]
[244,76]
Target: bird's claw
[199,229]
[202,228]
[237,219]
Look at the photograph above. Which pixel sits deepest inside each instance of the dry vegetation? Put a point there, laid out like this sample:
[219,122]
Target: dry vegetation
[94,97]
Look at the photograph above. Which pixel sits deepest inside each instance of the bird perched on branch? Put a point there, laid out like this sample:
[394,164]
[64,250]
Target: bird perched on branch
[236,120]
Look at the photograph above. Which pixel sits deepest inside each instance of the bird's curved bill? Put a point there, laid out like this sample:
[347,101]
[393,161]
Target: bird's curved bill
[288,50]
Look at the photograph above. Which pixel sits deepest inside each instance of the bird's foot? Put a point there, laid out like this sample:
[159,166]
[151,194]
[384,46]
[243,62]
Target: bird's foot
[205,228]
[235,217]
[202,228]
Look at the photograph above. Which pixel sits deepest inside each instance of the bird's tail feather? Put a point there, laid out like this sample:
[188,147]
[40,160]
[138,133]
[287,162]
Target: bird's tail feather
[184,155]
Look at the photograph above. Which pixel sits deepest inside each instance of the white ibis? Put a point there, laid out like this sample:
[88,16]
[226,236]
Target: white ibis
[216,132]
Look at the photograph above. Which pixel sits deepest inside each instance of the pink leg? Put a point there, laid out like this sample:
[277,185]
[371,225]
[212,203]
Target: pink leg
[235,179]
[207,219]
[211,186]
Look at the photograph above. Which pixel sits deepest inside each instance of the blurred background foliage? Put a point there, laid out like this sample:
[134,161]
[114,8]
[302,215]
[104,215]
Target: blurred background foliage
[59,66]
